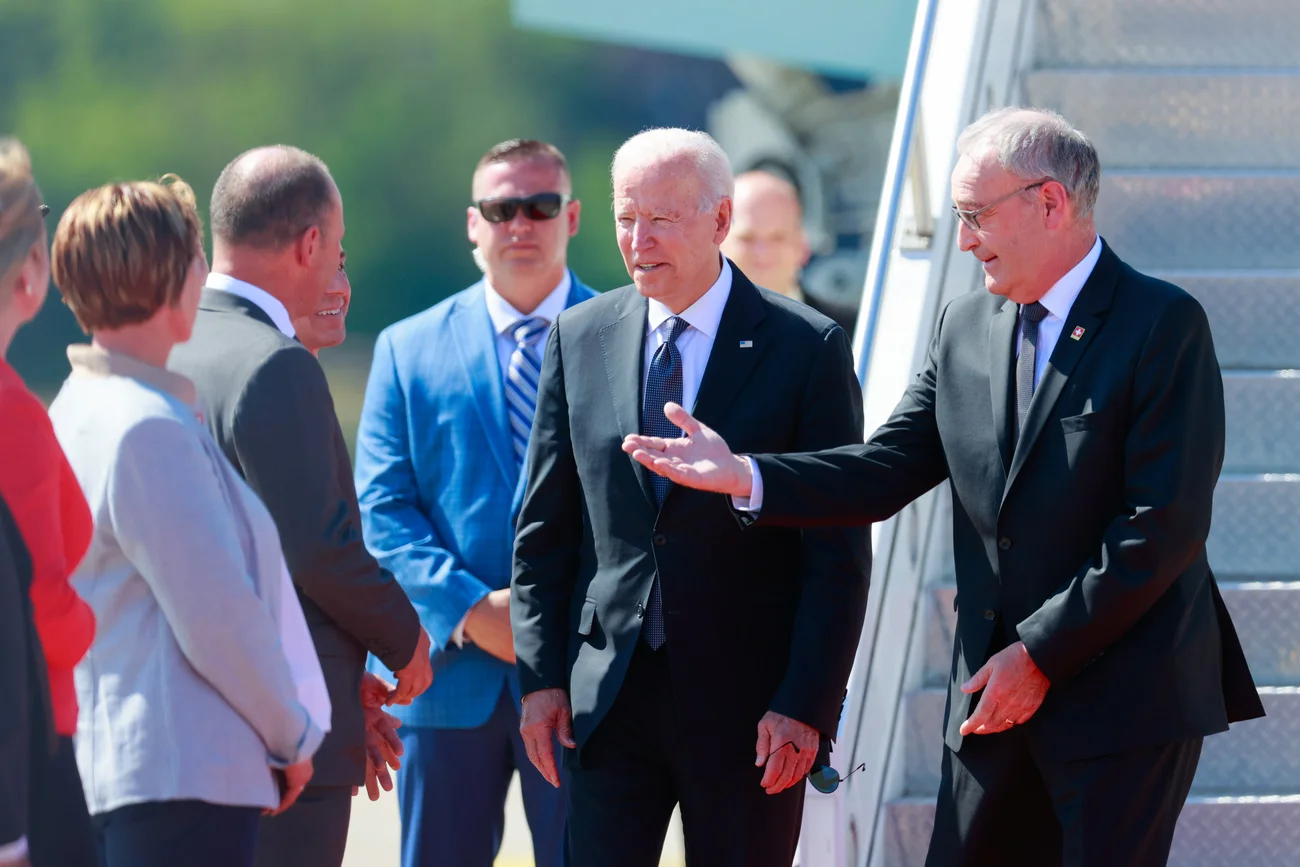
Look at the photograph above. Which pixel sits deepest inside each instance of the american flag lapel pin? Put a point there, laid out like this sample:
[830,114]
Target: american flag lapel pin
[746,344]
[1077,333]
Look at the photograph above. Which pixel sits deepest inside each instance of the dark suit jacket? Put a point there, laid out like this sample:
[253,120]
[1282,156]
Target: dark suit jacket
[1087,543]
[269,407]
[27,737]
[756,619]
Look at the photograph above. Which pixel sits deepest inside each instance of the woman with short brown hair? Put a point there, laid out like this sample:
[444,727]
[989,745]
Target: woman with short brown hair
[190,712]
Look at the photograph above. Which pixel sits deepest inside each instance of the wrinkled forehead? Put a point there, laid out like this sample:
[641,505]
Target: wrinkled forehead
[667,184]
[975,175]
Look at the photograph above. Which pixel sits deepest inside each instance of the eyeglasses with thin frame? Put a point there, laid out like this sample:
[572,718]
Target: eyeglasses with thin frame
[539,206]
[971,219]
[824,779]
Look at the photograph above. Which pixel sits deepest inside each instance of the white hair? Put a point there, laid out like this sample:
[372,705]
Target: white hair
[1035,143]
[665,144]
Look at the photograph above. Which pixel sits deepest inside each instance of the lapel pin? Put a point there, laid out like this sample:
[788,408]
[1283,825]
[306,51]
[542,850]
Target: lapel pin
[1077,333]
[746,344]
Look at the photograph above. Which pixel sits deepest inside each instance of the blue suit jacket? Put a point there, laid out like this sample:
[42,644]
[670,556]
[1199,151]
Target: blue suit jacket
[440,488]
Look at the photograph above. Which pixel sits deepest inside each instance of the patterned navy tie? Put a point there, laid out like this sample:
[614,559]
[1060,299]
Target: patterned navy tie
[663,384]
[521,381]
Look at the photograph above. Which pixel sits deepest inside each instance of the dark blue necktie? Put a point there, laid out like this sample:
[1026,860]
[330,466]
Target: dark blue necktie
[663,384]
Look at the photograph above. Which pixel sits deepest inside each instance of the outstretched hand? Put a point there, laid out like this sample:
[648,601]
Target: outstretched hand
[700,459]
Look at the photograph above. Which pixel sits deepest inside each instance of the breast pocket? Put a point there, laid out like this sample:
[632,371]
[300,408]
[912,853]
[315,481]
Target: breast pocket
[1080,423]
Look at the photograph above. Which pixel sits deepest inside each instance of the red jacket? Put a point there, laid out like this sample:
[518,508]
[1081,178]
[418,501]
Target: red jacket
[56,524]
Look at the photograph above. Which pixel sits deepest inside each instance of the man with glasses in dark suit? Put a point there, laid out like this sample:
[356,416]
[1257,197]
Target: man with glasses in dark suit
[1076,411]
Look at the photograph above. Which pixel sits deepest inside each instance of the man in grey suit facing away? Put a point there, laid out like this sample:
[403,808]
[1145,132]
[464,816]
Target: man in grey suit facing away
[277,231]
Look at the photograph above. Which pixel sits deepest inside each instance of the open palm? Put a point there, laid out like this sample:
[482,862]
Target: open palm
[701,459]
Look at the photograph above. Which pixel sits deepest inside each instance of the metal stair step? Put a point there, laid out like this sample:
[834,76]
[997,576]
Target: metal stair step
[1253,314]
[1212,832]
[1266,614]
[1263,421]
[1255,757]
[1174,118]
[1167,33]
[1208,219]
[1256,528]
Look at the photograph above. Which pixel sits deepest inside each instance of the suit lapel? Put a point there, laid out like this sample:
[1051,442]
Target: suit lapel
[1002,330]
[1085,319]
[623,344]
[737,347]
[217,301]
[475,342]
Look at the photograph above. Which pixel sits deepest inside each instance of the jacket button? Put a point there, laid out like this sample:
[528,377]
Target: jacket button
[660,540]
[640,611]
[1004,543]
[990,614]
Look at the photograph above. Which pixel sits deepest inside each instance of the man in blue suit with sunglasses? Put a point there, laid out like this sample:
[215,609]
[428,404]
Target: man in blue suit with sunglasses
[440,452]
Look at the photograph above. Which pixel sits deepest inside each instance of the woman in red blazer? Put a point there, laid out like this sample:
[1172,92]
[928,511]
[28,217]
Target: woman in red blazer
[52,517]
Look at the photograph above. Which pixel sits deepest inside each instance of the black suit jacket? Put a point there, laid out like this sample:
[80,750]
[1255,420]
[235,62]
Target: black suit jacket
[756,619]
[27,737]
[1088,541]
[269,407]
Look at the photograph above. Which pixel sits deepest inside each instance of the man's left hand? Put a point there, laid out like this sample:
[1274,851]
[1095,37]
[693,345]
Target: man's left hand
[788,766]
[1014,688]
[383,746]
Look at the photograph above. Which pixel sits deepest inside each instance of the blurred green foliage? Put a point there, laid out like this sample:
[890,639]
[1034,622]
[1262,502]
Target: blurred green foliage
[399,97]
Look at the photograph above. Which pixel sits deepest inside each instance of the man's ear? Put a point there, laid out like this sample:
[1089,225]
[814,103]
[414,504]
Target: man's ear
[722,218]
[304,249]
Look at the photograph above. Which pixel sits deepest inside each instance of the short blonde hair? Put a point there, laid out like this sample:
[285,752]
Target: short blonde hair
[20,206]
[122,251]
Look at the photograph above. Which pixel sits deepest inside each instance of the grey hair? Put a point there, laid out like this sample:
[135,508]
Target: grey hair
[665,144]
[1036,143]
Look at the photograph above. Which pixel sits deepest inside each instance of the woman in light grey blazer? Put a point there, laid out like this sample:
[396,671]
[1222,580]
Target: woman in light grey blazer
[189,712]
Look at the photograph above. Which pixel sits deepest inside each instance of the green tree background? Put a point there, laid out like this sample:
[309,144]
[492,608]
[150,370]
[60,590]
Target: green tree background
[399,97]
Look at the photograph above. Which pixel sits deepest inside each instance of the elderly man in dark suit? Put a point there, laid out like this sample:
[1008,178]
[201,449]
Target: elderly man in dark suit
[681,657]
[277,232]
[1076,411]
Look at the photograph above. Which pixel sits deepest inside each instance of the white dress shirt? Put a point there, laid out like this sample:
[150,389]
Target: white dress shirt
[1058,301]
[265,301]
[696,342]
[504,316]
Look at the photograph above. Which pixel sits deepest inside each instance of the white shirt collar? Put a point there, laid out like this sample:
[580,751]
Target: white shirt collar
[1060,298]
[268,303]
[705,314]
[504,315]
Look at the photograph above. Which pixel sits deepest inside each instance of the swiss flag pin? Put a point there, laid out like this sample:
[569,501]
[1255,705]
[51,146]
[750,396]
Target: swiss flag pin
[1077,333]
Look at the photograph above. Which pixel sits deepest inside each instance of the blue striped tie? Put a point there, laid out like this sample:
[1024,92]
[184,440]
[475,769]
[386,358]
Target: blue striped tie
[522,376]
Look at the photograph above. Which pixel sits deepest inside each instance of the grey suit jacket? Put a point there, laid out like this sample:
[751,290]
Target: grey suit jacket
[186,692]
[269,409]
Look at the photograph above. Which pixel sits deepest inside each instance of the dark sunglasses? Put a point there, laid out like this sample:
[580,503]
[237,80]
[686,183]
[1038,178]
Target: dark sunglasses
[45,210]
[823,778]
[539,206]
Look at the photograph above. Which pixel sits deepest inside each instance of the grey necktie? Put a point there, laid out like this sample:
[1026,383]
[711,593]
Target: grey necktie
[1030,316]
[663,384]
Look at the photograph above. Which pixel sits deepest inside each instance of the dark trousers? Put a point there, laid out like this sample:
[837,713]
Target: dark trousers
[999,806]
[167,833]
[636,767]
[311,833]
[59,833]
[452,794]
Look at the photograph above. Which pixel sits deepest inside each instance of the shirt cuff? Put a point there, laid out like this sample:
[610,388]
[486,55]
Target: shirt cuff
[458,634]
[12,853]
[754,502]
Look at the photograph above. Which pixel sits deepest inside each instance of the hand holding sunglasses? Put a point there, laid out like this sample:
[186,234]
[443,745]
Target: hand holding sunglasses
[823,778]
[539,206]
